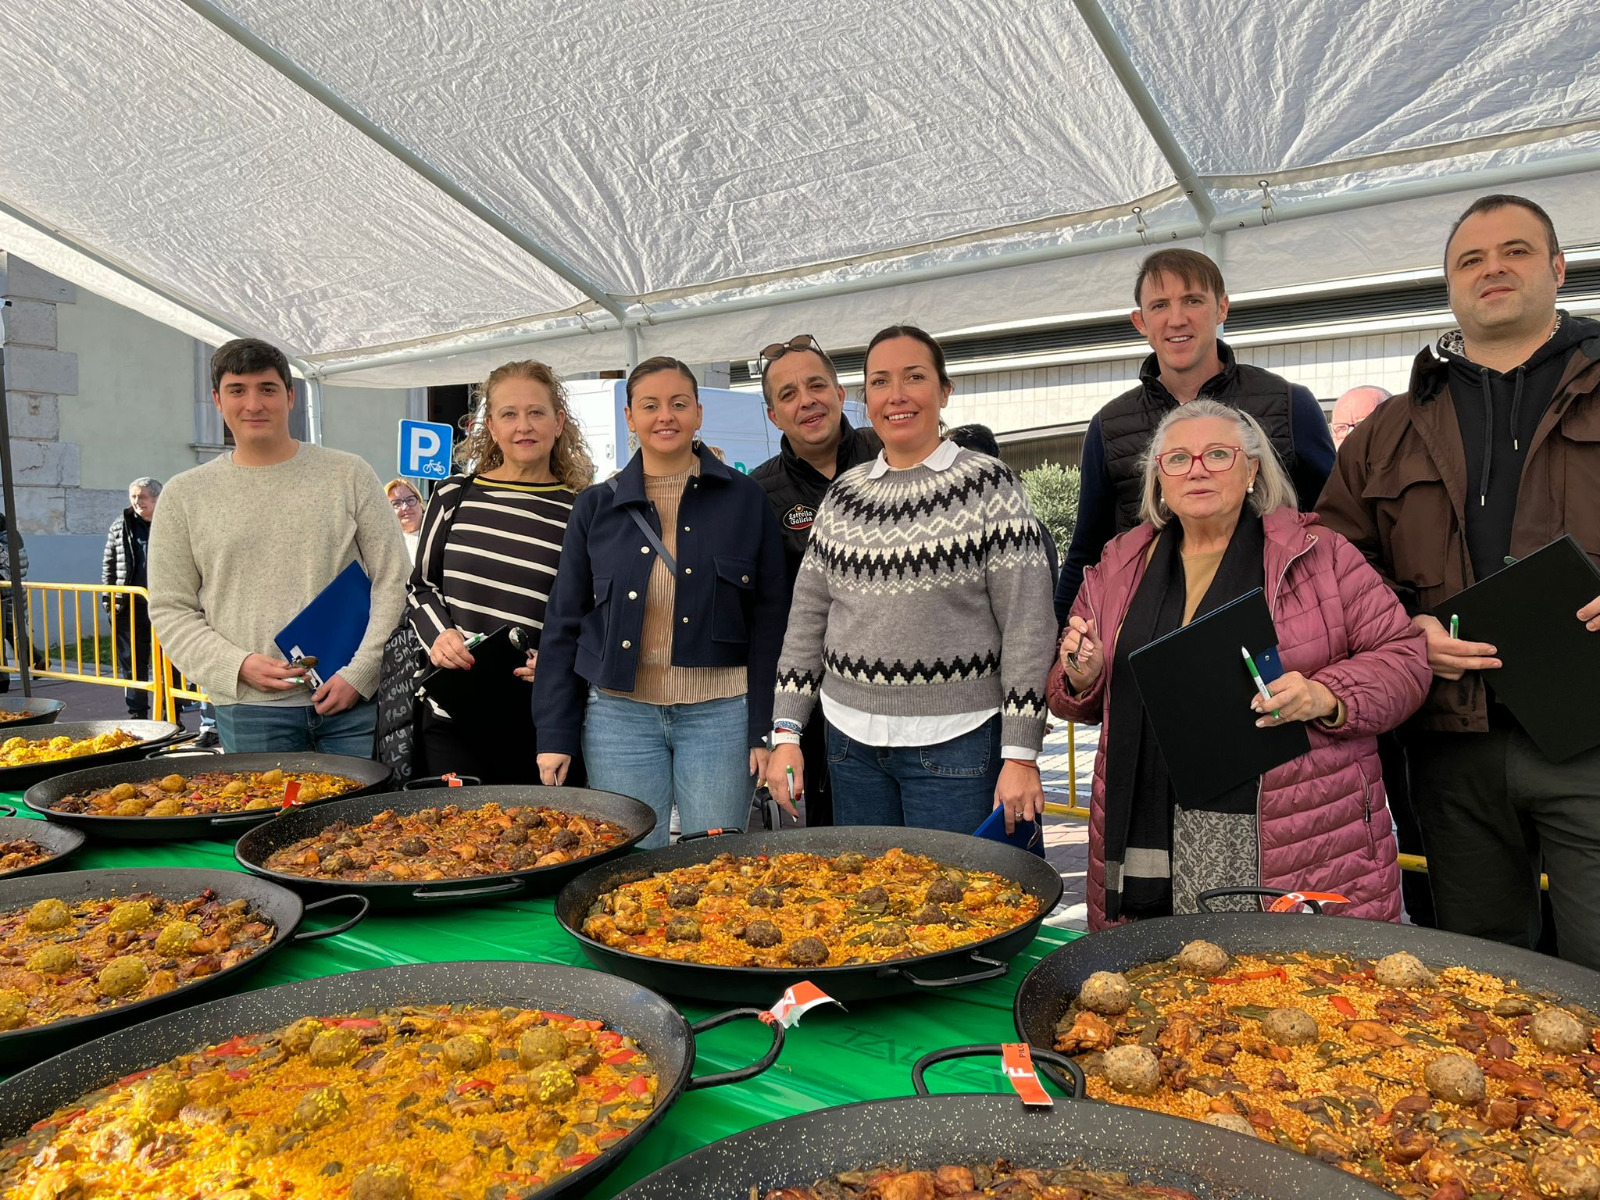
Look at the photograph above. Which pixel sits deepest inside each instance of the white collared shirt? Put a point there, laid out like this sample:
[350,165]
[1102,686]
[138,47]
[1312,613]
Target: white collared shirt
[875,729]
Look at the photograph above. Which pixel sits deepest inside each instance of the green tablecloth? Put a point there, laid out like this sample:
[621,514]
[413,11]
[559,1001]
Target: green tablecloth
[831,1057]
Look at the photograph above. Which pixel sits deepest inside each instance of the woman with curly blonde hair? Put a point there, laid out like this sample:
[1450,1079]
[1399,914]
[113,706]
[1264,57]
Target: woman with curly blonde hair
[491,544]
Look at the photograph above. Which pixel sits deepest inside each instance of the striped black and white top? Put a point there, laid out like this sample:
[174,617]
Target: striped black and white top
[488,556]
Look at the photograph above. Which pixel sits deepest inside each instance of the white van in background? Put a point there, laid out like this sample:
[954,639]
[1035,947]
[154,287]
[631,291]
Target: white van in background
[735,422]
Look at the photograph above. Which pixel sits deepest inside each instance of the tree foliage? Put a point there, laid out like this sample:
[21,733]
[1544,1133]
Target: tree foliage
[1053,492]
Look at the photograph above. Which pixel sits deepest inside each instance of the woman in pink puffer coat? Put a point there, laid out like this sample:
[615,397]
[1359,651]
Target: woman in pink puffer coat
[1220,520]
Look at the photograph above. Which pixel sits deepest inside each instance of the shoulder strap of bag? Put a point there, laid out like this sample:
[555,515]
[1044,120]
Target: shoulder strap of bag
[650,535]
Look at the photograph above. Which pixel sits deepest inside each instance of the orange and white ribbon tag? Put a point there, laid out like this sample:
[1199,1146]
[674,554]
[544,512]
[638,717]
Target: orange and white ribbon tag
[1293,900]
[452,780]
[1017,1062]
[291,793]
[796,1002]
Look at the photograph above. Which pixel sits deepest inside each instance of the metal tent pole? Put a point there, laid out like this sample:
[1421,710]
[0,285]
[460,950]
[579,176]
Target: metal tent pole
[1116,51]
[21,638]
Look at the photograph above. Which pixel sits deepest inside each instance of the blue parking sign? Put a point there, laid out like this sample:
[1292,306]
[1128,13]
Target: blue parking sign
[425,449]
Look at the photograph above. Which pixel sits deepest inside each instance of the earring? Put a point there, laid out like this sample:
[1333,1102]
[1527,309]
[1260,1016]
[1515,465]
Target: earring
[1250,489]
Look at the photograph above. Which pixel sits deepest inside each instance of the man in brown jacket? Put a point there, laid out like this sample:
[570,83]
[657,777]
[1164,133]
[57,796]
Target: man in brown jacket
[1493,452]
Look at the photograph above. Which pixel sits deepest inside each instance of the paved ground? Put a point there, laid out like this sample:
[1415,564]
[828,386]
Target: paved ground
[1066,839]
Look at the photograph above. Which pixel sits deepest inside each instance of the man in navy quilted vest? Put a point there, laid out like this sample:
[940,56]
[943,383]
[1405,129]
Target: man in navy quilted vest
[1181,303]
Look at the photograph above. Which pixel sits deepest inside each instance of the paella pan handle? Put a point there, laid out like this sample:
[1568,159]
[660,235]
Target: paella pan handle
[241,818]
[695,837]
[494,889]
[435,782]
[7,811]
[992,968]
[312,935]
[1043,1058]
[755,1068]
[179,747]
[1214,893]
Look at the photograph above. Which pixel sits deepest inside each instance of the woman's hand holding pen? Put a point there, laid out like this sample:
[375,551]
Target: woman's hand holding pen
[1294,698]
[1081,655]
[449,649]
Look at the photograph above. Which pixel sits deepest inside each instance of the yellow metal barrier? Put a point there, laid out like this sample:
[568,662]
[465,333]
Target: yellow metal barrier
[66,618]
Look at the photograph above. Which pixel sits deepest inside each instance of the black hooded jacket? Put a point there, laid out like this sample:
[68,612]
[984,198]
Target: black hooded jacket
[1498,413]
[795,488]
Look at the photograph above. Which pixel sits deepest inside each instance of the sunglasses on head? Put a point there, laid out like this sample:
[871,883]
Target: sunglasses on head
[771,354]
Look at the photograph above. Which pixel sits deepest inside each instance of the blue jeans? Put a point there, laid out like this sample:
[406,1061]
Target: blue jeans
[946,786]
[695,754]
[290,728]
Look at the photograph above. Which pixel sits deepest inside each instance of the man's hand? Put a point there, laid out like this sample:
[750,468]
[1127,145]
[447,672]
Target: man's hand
[1589,614]
[1451,658]
[1020,792]
[525,672]
[269,674]
[553,769]
[783,759]
[1294,698]
[449,649]
[335,696]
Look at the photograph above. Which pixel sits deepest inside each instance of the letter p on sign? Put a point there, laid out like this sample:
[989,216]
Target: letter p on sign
[425,449]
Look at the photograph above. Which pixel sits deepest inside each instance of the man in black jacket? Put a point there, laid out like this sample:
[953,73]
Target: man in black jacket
[1182,301]
[126,564]
[805,401]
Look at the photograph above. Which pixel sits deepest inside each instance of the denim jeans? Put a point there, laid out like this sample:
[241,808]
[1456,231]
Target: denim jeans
[946,786]
[695,754]
[270,728]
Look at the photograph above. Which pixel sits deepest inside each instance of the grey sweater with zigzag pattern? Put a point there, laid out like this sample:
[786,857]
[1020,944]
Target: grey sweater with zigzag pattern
[923,593]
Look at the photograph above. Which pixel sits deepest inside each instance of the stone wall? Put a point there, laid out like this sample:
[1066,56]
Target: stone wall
[38,374]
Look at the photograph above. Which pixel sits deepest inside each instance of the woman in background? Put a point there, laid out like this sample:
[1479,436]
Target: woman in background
[407,504]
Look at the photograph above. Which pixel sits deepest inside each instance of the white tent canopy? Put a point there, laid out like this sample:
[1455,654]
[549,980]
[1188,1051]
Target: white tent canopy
[410,194]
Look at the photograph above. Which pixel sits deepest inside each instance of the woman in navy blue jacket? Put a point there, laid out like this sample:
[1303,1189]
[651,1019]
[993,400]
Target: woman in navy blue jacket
[661,639]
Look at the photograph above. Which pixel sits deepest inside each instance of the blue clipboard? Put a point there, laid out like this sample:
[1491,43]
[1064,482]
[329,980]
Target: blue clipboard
[331,627]
[1029,835]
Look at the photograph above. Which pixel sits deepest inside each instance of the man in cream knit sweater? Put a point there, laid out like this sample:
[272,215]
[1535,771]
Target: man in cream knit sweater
[246,541]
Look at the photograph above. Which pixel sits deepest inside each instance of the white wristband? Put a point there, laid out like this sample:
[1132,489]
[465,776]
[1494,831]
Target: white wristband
[784,738]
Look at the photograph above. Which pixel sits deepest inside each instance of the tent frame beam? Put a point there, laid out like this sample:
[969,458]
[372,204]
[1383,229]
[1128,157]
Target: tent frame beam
[1226,221]
[1116,54]
[350,115]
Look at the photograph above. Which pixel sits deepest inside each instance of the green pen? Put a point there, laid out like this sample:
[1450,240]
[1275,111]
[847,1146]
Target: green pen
[1455,626]
[789,775]
[1261,684]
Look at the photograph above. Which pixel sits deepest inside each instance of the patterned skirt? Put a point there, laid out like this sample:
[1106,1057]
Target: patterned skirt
[1214,850]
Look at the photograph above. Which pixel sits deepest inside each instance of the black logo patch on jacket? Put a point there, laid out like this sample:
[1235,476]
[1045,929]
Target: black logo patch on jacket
[799,517]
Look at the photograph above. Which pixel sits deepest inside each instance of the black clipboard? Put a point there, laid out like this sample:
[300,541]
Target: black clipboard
[487,693]
[1550,664]
[1197,690]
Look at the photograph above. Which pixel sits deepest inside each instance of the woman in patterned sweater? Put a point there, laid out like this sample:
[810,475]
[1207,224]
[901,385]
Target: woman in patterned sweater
[491,542]
[922,618]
